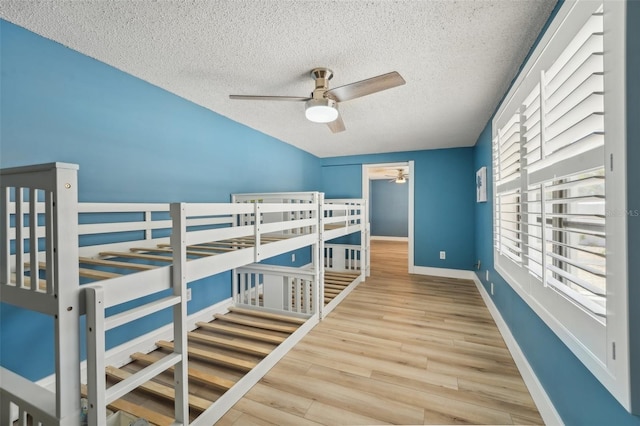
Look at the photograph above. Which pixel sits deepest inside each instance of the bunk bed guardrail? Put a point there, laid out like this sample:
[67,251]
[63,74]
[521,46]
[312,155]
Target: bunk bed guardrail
[56,295]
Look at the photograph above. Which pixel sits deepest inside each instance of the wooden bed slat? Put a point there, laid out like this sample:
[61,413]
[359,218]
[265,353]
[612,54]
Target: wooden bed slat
[136,410]
[97,275]
[137,256]
[336,280]
[116,264]
[159,389]
[256,324]
[212,357]
[335,286]
[267,315]
[194,374]
[163,250]
[241,332]
[204,247]
[239,346]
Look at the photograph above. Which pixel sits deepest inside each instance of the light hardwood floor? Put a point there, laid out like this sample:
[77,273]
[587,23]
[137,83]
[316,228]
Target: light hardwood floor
[400,349]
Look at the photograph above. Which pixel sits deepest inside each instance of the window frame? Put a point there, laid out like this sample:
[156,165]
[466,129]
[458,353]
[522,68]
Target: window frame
[602,348]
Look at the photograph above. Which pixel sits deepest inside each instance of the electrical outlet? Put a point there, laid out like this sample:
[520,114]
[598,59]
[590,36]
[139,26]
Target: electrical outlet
[486,278]
[188,294]
[492,289]
[293,257]
[443,255]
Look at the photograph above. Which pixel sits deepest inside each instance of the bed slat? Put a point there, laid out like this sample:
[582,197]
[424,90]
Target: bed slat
[194,374]
[158,389]
[212,357]
[116,264]
[239,346]
[257,324]
[241,332]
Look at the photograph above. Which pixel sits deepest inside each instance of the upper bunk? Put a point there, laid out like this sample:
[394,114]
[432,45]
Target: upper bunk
[129,243]
[338,217]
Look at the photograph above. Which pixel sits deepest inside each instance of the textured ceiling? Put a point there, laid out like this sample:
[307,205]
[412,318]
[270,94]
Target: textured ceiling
[457,57]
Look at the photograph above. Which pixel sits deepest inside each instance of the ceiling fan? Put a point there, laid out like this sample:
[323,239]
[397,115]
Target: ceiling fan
[401,177]
[322,105]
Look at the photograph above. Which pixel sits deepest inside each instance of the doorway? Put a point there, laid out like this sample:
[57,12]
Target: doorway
[401,173]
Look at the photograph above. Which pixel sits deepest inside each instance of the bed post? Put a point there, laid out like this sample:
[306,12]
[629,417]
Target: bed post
[319,257]
[364,249]
[234,275]
[179,285]
[63,201]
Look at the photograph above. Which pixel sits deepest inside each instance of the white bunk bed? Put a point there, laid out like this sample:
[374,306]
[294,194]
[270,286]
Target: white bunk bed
[146,254]
[345,265]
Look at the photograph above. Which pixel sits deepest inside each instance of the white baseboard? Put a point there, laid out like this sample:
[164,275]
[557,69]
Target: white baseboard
[442,272]
[382,238]
[539,395]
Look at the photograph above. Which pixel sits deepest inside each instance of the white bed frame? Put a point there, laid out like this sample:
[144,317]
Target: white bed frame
[337,218]
[51,191]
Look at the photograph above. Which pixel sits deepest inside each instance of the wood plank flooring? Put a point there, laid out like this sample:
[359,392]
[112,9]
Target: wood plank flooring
[400,349]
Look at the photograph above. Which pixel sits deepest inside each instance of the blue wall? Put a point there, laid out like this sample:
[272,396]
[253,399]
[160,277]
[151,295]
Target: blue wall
[577,395]
[444,199]
[134,142]
[389,208]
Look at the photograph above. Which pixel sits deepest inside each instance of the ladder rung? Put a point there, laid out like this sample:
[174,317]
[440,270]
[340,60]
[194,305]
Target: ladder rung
[143,376]
[139,312]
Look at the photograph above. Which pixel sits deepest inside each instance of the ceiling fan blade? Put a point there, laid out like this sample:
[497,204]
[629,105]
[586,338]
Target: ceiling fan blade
[268,98]
[366,87]
[337,125]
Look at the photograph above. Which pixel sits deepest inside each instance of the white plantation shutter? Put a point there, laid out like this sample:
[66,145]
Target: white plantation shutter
[571,171]
[507,173]
[549,175]
[508,151]
[573,107]
[576,239]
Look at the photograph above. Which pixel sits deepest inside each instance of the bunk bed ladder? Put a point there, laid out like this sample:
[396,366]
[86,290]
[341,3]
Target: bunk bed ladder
[49,192]
[99,397]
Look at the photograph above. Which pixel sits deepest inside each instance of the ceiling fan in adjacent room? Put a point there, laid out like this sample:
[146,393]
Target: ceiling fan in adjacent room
[322,105]
[401,177]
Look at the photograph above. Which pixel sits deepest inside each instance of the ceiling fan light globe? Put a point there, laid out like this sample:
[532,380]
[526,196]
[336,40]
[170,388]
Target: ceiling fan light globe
[321,110]
[400,180]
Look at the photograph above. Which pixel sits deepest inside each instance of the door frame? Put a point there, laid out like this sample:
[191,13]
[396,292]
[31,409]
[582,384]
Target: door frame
[365,194]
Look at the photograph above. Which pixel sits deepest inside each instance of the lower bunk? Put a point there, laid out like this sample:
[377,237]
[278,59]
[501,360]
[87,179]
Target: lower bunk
[227,355]
[343,272]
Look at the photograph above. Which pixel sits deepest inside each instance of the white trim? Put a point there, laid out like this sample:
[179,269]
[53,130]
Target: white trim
[412,237]
[444,272]
[539,395]
[383,238]
[411,181]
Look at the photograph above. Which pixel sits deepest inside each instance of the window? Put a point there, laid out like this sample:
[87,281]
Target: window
[553,150]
